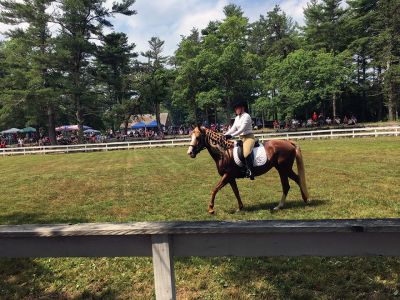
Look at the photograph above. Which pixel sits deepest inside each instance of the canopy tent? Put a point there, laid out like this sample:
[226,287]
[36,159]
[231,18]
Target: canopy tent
[11,130]
[71,128]
[91,131]
[28,130]
[138,125]
[151,124]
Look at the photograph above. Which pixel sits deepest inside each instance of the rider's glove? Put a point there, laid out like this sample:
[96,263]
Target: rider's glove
[228,136]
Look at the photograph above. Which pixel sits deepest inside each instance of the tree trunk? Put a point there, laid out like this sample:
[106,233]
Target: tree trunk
[126,122]
[158,115]
[263,119]
[334,105]
[390,96]
[364,94]
[51,125]
[79,118]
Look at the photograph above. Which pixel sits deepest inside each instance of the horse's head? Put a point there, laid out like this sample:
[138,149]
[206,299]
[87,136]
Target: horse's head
[197,142]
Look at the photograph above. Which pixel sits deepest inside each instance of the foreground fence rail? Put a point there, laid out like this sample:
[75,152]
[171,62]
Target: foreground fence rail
[293,135]
[164,240]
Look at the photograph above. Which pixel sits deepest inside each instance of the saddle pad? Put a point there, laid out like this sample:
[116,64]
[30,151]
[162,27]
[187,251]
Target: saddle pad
[260,156]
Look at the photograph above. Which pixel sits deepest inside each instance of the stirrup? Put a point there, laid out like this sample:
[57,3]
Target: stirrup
[249,174]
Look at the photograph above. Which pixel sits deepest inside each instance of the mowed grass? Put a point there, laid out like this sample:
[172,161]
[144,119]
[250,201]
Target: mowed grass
[347,178]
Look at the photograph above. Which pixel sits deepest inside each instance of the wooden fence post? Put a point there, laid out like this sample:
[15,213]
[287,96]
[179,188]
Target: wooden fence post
[163,264]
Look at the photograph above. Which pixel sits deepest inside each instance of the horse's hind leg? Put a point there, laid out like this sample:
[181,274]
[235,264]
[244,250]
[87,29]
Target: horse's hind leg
[292,175]
[236,191]
[283,173]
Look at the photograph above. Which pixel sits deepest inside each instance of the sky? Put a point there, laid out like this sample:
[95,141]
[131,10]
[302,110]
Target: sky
[169,19]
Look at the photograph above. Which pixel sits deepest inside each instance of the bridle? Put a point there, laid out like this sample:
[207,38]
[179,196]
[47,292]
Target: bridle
[196,148]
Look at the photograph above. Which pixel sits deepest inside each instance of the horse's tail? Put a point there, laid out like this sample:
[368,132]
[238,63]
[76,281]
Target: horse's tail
[302,174]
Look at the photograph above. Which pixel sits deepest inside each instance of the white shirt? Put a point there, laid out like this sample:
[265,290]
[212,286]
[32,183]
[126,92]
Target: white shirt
[241,126]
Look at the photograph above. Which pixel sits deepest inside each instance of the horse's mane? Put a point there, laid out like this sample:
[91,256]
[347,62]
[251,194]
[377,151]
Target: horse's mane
[218,139]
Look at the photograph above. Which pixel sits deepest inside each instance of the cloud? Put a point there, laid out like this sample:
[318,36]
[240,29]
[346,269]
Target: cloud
[295,9]
[169,19]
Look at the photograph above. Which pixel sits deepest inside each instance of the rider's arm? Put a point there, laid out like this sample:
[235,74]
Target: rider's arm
[245,124]
[233,128]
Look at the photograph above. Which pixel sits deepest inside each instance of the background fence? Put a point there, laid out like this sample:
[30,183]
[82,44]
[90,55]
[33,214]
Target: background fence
[316,134]
[164,240]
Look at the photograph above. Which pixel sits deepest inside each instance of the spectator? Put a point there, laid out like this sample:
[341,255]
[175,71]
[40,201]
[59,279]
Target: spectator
[315,117]
[353,120]
[20,142]
[3,143]
[337,120]
[276,124]
[321,119]
[328,121]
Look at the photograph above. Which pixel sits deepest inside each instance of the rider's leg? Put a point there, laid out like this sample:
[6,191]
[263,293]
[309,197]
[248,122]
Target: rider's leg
[248,145]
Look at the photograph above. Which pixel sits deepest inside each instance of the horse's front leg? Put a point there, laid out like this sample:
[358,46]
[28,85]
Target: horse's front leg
[236,191]
[223,181]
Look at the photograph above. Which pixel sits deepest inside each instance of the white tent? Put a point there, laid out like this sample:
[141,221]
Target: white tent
[11,130]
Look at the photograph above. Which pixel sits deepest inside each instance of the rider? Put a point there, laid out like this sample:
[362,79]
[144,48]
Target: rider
[243,127]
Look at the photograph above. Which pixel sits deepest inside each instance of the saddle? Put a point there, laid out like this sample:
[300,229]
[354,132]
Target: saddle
[239,144]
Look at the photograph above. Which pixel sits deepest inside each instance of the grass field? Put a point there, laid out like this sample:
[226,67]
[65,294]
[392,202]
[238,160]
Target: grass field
[347,178]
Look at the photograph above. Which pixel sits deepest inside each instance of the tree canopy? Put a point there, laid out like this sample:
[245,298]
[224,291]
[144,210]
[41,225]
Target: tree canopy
[344,59]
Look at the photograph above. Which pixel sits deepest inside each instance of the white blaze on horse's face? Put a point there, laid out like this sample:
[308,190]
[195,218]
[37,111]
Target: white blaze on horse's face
[193,142]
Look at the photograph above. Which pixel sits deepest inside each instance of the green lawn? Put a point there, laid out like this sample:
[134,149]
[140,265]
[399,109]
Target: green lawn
[347,178]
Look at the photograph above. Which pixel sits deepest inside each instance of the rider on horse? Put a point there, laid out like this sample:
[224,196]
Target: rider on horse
[242,127]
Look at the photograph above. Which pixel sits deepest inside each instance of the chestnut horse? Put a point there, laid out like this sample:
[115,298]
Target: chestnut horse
[281,155]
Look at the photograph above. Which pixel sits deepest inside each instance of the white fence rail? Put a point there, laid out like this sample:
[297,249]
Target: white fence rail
[164,240]
[316,134]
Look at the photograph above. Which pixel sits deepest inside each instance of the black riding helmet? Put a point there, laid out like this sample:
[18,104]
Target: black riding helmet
[240,103]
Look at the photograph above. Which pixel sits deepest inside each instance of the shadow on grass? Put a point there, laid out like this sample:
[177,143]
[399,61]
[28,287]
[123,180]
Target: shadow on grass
[318,277]
[293,204]
[305,278]
[24,278]
[37,218]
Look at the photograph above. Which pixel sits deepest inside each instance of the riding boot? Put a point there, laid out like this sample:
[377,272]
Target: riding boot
[249,167]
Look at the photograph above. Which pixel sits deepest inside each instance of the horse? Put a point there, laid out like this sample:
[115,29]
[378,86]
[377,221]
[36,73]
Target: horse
[280,153]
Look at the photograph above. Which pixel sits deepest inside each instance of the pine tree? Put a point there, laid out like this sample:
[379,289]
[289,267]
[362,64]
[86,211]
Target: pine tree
[41,89]
[115,68]
[324,29]
[81,22]
[155,79]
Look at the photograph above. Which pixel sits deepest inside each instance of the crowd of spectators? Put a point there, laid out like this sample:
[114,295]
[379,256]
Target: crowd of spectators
[316,120]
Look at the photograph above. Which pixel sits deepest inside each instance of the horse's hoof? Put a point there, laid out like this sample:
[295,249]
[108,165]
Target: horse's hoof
[211,211]
[239,211]
[276,208]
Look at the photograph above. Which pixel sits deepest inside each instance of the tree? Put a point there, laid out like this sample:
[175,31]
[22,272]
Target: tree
[42,81]
[305,79]
[115,67]
[81,22]
[386,39]
[273,35]
[374,42]
[13,84]
[155,80]
[324,25]
[188,78]
[324,29]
